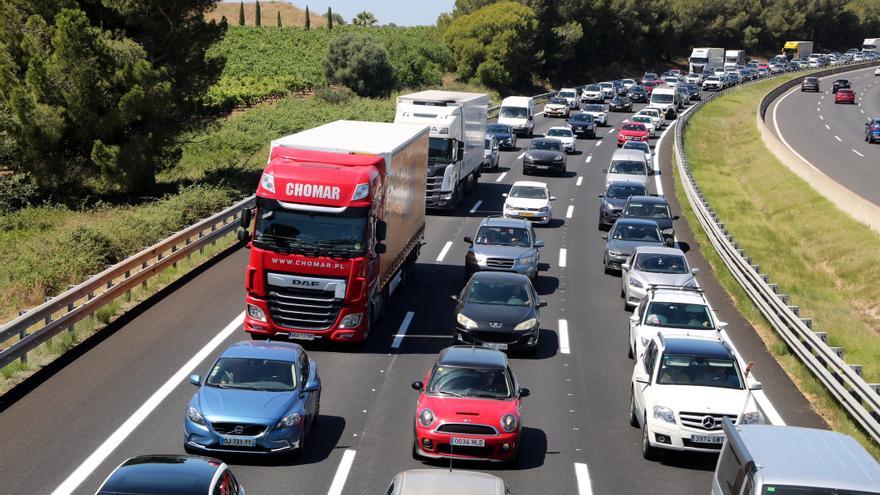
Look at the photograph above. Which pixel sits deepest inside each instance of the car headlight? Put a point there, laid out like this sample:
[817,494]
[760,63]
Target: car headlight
[291,419]
[528,159]
[612,252]
[351,321]
[664,413]
[635,283]
[557,159]
[466,322]
[256,313]
[750,418]
[669,231]
[509,423]
[195,416]
[526,260]
[426,417]
[544,209]
[480,258]
[527,325]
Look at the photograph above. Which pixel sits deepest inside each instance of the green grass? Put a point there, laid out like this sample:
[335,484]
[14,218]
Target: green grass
[813,251]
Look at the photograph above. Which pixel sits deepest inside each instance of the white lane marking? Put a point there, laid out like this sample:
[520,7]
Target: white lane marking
[476,206]
[589,159]
[585,487]
[821,97]
[861,110]
[562,254]
[117,437]
[501,177]
[521,155]
[570,211]
[856,152]
[818,109]
[563,337]
[821,118]
[599,143]
[444,251]
[838,139]
[342,473]
[828,127]
[611,132]
[539,113]
[580,181]
[401,332]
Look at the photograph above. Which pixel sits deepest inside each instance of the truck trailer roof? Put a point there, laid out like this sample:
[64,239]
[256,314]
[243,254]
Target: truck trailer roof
[353,137]
[444,97]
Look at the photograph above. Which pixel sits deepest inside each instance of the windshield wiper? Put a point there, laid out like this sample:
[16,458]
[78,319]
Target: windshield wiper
[488,395]
[447,392]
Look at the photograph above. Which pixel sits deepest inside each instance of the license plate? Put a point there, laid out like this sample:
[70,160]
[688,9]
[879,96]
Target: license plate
[493,345]
[714,439]
[301,336]
[544,167]
[238,442]
[467,442]
[526,214]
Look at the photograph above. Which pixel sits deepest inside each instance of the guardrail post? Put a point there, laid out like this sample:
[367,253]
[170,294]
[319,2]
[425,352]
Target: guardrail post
[144,266]
[201,247]
[21,335]
[857,368]
[795,309]
[174,250]
[213,229]
[823,336]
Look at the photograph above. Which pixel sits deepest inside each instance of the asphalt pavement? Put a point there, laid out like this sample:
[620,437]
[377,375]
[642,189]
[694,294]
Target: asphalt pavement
[72,425]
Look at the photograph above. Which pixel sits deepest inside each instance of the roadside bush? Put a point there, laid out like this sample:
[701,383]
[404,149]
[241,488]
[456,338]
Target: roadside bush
[17,191]
[360,62]
[334,95]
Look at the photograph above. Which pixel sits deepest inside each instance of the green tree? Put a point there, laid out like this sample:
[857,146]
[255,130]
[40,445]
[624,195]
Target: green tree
[98,95]
[241,14]
[308,19]
[258,21]
[365,19]
[278,18]
[361,63]
[495,44]
[329,18]
[338,20]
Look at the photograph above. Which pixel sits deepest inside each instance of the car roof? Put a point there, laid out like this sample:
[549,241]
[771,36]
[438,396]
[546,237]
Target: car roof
[636,221]
[649,199]
[678,295]
[142,474]
[658,250]
[530,183]
[709,347]
[472,357]
[560,128]
[505,222]
[623,154]
[280,351]
[442,482]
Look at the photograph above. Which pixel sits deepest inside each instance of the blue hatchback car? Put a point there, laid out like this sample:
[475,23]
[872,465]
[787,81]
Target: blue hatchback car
[258,397]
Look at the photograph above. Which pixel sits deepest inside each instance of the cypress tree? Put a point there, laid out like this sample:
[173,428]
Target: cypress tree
[329,18]
[279,18]
[308,21]
[258,21]
[241,14]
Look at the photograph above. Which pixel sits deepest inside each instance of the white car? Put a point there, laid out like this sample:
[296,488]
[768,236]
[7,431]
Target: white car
[714,83]
[656,115]
[556,107]
[877,71]
[607,89]
[654,265]
[628,83]
[693,78]
[628,165]
[570,95]
[671,81]
[648,121]
[641,146]
[673,309]
[719,71]
[683,388]
[597,110]
[564,134]
[592,94]
[529,200]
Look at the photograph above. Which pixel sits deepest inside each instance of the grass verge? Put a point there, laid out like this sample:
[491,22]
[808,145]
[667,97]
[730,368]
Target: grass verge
[810,248]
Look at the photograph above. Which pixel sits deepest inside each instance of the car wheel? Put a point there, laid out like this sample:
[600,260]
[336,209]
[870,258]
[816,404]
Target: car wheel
[633,419]
[629,350]
[648,452]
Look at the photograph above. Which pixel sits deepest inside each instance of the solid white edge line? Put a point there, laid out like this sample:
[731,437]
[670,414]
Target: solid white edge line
[109,445]
[476,206]
[570,211]
[562,254]
[342,473]
[582,474]
[444,251]
[501,177]
[401,331]
[821,118]
[563,337]
[580,181]
[767,406]
[589,159]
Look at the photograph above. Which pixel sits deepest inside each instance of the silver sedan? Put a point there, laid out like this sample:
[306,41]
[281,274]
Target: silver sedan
[654,265]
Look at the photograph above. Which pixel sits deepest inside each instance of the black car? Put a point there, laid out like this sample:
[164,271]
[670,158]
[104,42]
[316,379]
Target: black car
[544,154]
[620,104]
[638,94]
[498,310]
[654,208]
[810,84]
[156,474]
[504,134]
[614,198]
[582,125]
[694,91]
[840,84]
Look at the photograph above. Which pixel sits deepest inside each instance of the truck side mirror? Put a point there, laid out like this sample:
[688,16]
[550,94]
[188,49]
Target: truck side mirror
[381,230]
[244,236]
[246,218]
[460,150]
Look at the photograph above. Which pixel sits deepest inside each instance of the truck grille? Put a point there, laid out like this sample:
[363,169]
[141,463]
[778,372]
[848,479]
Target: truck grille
[695,420]
[500,263]
[466,429]
[433,187]
[302,308]
[246,429]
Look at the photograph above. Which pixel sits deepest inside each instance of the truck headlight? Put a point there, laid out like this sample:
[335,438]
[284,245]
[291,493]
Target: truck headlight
[480,258]
[509,423]
[448,182]
[195,416]
[426,417]
[465,322]
[351,321]
[750,418]
[289,420]
[268,182]
[635,283]
[664,413]
[256,312]
[527,325]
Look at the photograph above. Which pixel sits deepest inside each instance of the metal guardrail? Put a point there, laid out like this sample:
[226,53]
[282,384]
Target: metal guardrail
[842,380]
[37,325]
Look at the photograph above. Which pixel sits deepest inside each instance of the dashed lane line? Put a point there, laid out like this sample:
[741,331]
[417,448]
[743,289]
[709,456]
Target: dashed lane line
[476,206]
[521,155]
[501,177]
[828,127]
[582,474]
[401,331]
[589,159]
[579,181]
[564,347]
[857,152]
[838,139]
[444,251]
[342,472]
[570,211]
[562,255]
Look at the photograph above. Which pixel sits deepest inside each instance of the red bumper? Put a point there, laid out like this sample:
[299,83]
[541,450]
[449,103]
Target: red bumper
[268,328]
[498,448]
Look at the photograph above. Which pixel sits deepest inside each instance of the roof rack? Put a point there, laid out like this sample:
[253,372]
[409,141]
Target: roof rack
[653,287]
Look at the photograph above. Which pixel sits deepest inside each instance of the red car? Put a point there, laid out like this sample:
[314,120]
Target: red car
[631,131]
[845,95]
[649,86]
[469,407]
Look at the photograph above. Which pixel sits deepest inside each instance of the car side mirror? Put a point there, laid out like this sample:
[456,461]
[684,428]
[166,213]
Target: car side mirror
[381,248]
[454,297]
[312,386]
[722,325]
[643,378]
[552,198]
[503,195]
[195,380]
[418,386]
[542,304]
[600,195]
[246,218]
[381,230]
[524,392]
[695,271]
[605,236]
[539,243]
[469,240]
[625,267]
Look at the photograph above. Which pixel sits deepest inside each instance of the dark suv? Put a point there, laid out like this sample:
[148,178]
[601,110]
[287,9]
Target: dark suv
[839,84]
[654,208]
[810,84]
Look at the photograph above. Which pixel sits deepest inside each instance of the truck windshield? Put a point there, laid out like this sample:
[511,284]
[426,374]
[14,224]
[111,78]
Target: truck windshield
[285,230]
[440,150]
[661,98]
[515,112]
[699,60]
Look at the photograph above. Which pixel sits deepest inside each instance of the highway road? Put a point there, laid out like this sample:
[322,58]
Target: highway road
[70,426]
[831,137]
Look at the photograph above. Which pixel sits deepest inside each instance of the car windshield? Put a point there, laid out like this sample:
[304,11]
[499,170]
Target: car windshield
[546,144]
[647,210]
[630,167]
[660,263]
[581,117]
[643,119]
[253,374]
[594,108]
[558,101]
[470,382]
[678,315]
[636,145]
[650,112]
[662,98]
[624,191]
[282,229]
[566,94]
[560,133]
[634,127]
[497,293]
[498,129]
[634,232]
[593,87]
[530,192]
[514,112]
[650,75]
[699,371]
[503,236]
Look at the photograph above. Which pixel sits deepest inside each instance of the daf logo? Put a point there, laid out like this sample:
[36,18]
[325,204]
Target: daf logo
[708,422]
[495,324]
[238,430]
[304,283]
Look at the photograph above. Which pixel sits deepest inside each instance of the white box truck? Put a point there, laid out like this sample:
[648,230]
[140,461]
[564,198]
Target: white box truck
[705,59]
[871,45]
[667,100]
[457,123]
[519,113]
[732,58]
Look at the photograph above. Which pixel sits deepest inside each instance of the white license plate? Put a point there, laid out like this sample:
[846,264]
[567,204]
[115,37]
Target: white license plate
[301,336]
[544,167]
[493,345]
[238,442]
[716,439]
[526,214]
[467,442]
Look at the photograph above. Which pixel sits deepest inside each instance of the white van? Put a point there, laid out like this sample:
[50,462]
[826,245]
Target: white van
[518,112]
[666,99]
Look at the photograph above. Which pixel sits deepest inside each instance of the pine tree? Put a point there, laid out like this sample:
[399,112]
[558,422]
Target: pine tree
[308,21]
[329,18]
[241,14]
[258,20]
[279,18]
